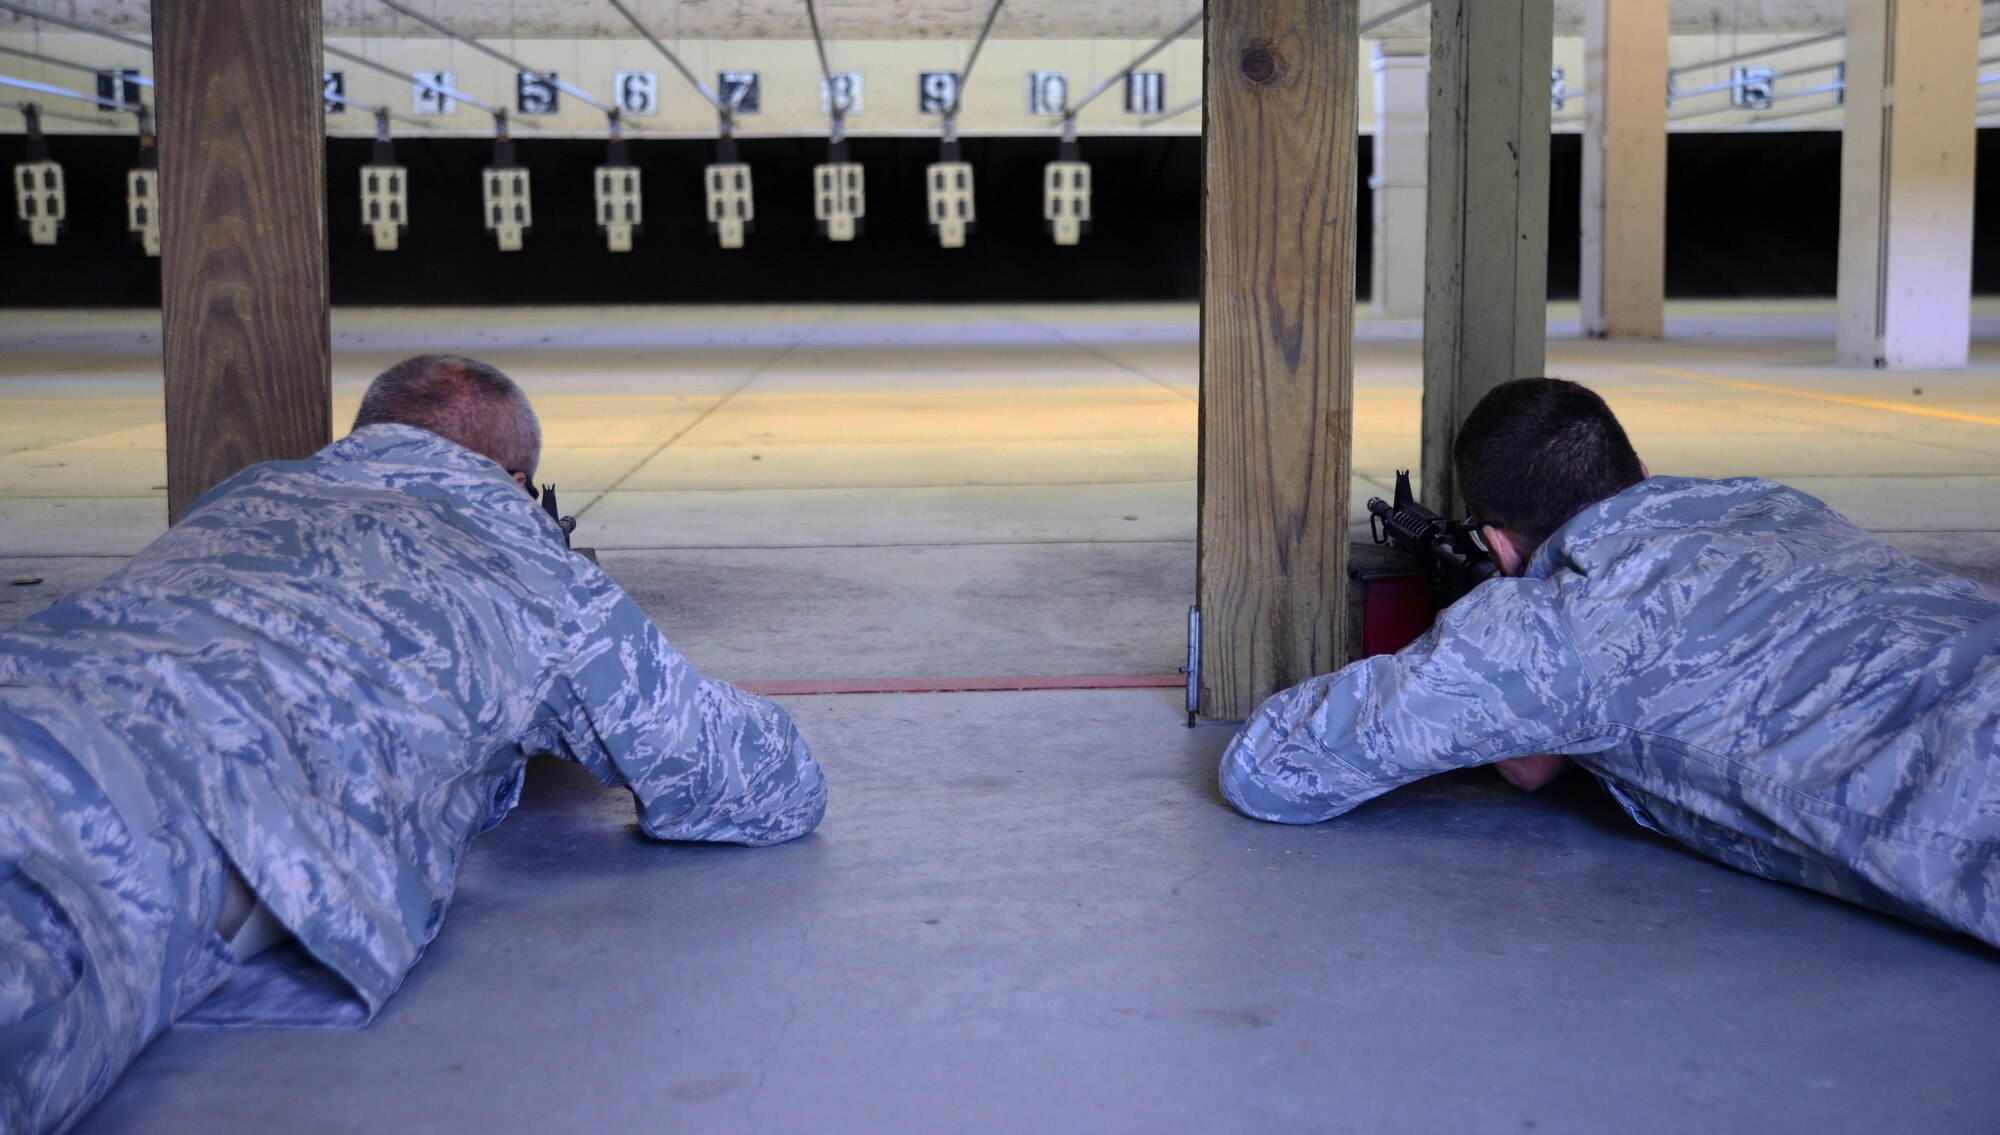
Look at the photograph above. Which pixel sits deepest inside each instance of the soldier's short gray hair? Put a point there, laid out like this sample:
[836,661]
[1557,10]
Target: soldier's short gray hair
[461,400]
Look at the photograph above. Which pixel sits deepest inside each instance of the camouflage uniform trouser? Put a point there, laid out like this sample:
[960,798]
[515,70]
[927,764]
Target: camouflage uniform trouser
[109,891]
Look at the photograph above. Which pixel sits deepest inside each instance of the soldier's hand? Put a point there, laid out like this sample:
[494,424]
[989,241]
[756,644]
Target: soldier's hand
[1530,773]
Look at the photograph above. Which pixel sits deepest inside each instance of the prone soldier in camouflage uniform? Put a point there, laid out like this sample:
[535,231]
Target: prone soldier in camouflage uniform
[1744,669]
[290,715]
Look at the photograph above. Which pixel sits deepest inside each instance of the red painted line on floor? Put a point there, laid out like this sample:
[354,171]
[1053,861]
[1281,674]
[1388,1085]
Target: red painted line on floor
[1002,684]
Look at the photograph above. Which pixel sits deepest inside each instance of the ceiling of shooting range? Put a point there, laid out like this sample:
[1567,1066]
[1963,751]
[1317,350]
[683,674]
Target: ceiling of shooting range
[896,19]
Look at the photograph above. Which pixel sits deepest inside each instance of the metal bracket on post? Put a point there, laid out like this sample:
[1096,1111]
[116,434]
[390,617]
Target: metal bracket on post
[1193,667]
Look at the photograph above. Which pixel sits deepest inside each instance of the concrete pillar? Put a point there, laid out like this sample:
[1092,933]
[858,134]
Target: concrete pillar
[1486,276]
[1402,165]
[1906,183]
[1624,168]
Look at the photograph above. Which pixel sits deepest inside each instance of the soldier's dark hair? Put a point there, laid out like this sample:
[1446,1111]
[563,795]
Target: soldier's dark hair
[461,400]
[1537,451]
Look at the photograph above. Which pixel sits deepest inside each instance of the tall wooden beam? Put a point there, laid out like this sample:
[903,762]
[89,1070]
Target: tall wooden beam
[1277,332]
[1487,244]
[243,237]
[1624,247]
[1907,157]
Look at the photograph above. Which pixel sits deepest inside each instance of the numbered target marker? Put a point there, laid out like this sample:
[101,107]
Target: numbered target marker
[840,93]
[936,91]
[1145,92]
[333,85]
[1048,92]
[425,96]
[741,91]
[537,94]
[638,92]
[1752,88]
[117,89]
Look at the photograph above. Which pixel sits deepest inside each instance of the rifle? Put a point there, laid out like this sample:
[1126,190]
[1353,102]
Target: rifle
[566,523]
[1451,554]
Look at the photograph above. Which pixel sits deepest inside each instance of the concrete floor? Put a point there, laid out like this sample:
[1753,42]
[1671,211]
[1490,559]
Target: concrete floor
[1031,911]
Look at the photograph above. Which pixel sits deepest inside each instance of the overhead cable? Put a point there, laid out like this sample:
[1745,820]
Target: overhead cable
[1170,37]
[483,49]
[44,112]
[727,112]
[1800,113]
[65,93]
[1759,53]
[70,64]
[965,75]
[1715,88]
[378,111]
[825,68]
[142,45]
[1174,113]
[1805,92]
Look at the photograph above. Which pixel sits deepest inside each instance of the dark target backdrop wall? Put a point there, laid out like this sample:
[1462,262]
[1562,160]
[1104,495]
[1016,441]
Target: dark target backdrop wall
[1748,215]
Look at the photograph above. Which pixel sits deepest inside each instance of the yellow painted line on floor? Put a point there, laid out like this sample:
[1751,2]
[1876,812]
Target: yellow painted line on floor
[1816,396]
[696,400]
[79,402]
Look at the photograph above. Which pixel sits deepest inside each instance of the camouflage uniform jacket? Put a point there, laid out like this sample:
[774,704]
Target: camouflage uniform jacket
[343,662]
[1746,670]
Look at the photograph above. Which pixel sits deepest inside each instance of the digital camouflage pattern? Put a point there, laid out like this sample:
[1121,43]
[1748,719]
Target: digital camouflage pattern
[331,673]
[1743,668]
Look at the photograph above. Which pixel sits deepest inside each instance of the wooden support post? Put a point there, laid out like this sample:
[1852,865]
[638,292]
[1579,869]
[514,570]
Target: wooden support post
[243,237]
[1907,154]
[1278,234]
[1624,247]
[1486,301]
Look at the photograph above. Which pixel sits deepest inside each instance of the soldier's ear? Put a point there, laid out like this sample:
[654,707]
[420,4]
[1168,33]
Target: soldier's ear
[1507,552]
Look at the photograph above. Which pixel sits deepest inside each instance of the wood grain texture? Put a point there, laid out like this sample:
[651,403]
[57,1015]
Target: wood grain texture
[1278,233]
[1487,246]
[243,237]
